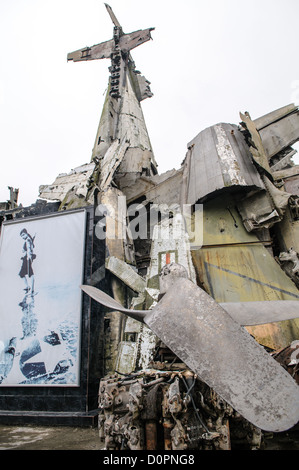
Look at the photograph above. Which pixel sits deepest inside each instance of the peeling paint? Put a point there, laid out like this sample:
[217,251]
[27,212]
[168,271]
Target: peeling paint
[228,159]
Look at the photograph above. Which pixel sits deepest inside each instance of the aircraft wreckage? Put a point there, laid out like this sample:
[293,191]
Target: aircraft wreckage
[202,337]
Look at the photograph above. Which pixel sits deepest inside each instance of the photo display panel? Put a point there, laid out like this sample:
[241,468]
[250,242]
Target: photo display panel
[41,270]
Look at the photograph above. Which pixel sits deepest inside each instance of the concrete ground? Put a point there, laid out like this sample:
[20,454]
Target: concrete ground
[49,438]
[87,438]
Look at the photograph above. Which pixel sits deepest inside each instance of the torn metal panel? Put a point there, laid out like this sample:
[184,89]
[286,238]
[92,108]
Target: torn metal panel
[126,357]
[257,210]
[270,137]
[113,228]
[280,134]
[130,151]
[283,159]
[287,231]
[273,116]
[110,162]
[255,142]
[137,160]
[69,188]
[111,211]
[166,189]
[289,179]
[125,273]
[289,359]
[131,120]
[290,264]
[122,118]
[141,85]
[218,159]
[263,209]
[160,189]
[279,197]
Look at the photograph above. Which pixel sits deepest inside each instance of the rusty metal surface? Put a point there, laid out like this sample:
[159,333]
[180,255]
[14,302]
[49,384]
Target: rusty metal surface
[225,357]
[234,265]
[249,273]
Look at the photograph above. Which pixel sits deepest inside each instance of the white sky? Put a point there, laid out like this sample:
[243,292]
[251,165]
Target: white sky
[208,61]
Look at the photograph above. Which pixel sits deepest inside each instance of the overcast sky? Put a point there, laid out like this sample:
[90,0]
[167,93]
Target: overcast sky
[208,61]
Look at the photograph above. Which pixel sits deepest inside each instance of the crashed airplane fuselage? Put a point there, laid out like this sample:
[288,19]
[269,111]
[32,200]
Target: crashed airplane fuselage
[230,217]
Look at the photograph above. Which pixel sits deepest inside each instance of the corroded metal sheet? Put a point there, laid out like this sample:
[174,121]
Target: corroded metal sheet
[126,273]
[235,266]
[218,159]
[280,134]
[225,357]
[98,51]
[126,357]
[244,274]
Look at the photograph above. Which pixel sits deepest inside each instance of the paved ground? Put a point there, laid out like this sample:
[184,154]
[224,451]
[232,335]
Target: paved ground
[49,438]
[74,438]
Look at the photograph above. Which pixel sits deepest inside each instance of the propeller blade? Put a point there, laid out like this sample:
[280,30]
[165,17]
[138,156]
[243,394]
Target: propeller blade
[245,313]
[261,312]
[109,302]
[221,352]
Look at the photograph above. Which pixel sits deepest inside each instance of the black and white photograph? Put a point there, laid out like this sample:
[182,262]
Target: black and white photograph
[149,228]
[41,262]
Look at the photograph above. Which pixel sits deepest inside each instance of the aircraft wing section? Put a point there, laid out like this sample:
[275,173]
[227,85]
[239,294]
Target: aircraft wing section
[98,51]
[131,40]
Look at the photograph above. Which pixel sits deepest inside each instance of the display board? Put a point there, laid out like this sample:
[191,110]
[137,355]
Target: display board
[41,269]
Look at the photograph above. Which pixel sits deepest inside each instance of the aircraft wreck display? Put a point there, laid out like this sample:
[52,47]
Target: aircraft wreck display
[201,320]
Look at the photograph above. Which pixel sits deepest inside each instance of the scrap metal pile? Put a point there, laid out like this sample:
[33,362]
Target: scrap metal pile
[168,408]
